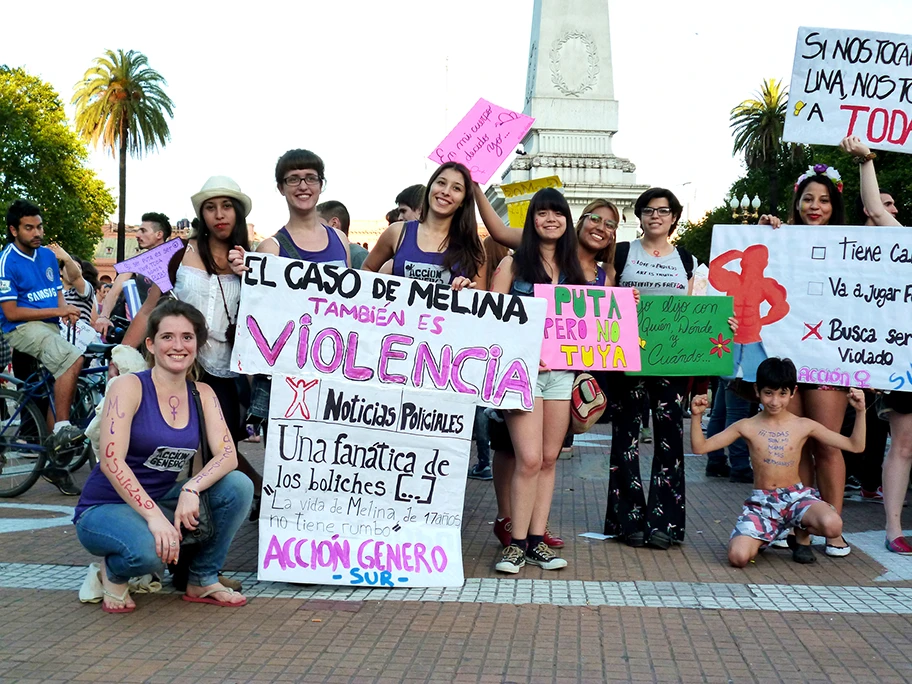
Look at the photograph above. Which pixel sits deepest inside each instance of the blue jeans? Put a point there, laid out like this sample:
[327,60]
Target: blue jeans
[482,440]
[728,409]
[122,536]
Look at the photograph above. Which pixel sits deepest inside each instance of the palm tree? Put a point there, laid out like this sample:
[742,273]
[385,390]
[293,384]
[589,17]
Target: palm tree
[758,125]
[121,102]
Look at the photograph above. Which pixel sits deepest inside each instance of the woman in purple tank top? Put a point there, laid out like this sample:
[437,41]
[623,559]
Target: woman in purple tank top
[133,507]
[443,245]
[300,178]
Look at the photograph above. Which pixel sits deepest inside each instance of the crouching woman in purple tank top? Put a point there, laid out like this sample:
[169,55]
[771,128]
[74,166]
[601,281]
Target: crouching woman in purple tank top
[133,506]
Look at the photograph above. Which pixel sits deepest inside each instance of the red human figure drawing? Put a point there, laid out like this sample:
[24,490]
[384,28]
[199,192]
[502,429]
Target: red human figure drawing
[749,289]
[300,387]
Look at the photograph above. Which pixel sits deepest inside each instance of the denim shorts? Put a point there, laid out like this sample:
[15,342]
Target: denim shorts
[555,385]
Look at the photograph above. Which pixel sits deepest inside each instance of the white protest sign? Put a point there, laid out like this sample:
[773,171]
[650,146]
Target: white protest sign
[851,82]
[834,299]
[298,317]
[80,334]
[363,485]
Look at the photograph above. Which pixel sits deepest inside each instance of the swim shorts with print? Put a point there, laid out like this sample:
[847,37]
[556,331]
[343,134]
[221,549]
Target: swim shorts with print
[769,513]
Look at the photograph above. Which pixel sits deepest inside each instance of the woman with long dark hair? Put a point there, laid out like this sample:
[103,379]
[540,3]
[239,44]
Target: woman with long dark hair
[443,244]
[817,201]
[547,254]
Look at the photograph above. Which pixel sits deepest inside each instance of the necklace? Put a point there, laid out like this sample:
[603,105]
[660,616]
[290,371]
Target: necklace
[655,253]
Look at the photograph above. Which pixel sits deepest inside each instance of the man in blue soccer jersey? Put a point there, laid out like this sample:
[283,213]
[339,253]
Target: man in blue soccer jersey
[31,304]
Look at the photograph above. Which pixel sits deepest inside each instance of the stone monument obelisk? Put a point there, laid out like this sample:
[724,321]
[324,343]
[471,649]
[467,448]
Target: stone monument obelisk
[570,92]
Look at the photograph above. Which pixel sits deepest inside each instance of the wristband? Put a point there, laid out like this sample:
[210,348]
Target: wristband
[192,491]
[862,158]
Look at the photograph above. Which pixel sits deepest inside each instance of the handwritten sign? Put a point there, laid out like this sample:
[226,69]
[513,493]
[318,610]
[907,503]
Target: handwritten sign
[298,317]
[80,334]
[850,82]
[589,328]
[483,139]
[153,263]
[518,196]
[363,485]
[834,299]
[685,335]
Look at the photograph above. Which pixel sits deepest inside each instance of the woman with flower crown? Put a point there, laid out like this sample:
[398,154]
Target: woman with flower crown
[818,202]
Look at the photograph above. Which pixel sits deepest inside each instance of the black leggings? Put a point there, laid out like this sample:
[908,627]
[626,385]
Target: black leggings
[628,510]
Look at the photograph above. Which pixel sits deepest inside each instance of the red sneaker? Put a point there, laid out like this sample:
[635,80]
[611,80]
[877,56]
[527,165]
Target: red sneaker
[551,540]
[503,530]
[872,497]
[899,545]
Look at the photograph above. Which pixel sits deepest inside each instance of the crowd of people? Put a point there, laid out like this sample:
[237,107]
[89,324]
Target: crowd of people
[149,490]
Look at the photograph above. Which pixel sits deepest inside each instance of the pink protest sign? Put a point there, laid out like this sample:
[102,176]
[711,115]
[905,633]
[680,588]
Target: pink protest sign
[483,139]
[590,328]
[153,264]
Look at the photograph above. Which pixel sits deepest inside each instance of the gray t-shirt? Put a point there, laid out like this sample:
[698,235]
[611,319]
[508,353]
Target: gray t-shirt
[654,275]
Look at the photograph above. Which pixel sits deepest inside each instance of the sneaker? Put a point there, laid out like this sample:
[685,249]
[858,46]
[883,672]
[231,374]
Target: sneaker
[503,530]
[543,557]
[872,497]
[717,470]
[838,551]
[512,559]
[477,472]
[898,545]
[59,441]
[852,484]
[61,479]
[646,435]
[551,540]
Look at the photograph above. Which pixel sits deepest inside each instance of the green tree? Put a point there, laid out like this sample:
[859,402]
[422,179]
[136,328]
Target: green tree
[42,160]
[758,125]
[122,103]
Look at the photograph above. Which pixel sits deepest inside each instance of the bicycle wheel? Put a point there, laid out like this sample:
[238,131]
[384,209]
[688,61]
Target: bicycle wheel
[22,435]
[81,414]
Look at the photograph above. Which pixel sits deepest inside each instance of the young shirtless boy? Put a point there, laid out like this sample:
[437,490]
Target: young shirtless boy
[775,438]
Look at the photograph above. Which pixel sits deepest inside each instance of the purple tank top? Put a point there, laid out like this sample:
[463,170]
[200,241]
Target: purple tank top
[157,452]
[411,261]
[333,253]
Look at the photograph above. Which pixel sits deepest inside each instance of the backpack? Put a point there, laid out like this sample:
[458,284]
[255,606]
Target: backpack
[622,251]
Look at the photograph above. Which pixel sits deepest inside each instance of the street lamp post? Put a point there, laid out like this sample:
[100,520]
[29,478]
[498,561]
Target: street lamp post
[745,205]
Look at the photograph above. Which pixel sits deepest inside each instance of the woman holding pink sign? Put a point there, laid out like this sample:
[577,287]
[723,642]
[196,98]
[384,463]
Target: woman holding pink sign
[655,267]
[547,254]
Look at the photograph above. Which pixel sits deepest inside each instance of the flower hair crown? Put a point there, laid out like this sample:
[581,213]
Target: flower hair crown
[821,170]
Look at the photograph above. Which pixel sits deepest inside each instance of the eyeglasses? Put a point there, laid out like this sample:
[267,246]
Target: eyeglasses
[310,179]
[661,211]
[597,221]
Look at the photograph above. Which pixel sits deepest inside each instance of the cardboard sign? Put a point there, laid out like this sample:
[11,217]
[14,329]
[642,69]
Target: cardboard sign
[363,485]
[589,328]
[518,195]
[153,263]
[298,318]
[834,299]
[850,82]
[682,336]
[483,139]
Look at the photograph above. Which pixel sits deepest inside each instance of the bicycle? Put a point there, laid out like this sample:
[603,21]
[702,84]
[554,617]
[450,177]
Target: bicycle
[23,427]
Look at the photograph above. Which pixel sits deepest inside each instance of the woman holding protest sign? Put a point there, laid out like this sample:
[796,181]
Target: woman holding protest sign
[133,511]
[547,254]
[655,267]
[596,231]
[818,201]
[443,244]
[896,407]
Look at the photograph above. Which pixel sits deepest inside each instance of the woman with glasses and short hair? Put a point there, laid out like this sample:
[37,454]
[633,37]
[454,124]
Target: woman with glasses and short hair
[655,267]
[300,179]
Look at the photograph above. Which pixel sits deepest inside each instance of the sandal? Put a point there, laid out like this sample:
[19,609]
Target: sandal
[122,598]
[803,554]
[205,598]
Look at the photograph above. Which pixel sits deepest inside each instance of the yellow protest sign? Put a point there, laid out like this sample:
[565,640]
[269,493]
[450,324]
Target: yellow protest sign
[517,196]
